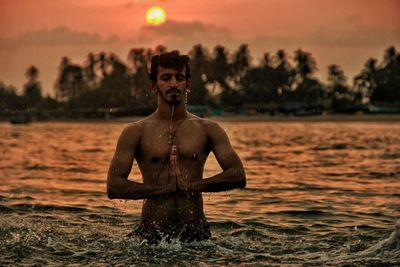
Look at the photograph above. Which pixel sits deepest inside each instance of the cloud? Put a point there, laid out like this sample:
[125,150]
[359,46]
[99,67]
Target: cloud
[178,31]
[134,4]
[60,36]
[174,34]
[184,28]
[183,35]
[336,36]
[129,4]
[355,35]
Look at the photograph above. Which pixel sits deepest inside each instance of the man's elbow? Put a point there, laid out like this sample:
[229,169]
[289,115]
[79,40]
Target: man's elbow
[111,189]
[110,193]
[242,182]
[241,178]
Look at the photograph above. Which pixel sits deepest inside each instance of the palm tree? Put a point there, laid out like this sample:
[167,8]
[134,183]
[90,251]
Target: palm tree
[32,89]
[199,62]
[70,82]
[305,64]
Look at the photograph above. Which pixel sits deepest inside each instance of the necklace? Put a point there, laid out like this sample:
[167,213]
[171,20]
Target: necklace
[171,138]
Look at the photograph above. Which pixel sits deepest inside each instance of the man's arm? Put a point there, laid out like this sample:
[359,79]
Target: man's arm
[233,174]
[118,185]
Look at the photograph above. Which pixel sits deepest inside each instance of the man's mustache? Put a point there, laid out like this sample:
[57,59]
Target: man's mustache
[174,90]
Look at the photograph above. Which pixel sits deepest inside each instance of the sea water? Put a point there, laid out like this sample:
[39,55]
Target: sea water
[318,193]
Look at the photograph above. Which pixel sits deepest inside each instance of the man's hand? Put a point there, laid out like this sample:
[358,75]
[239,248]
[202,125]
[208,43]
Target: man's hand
[181,182]
[172,181]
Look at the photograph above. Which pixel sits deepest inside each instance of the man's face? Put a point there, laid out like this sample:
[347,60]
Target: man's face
[171,85]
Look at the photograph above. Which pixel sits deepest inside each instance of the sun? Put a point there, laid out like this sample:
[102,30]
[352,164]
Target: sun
[155,15]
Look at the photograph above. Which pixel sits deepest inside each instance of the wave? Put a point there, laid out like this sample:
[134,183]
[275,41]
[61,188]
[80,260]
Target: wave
[390,155]
[302,213]
[86,180]
[92,150]
[30,207]
[387,250]
[79,169]
[385,246]
[226,225]
[33,167]
[248,233]
[338,146]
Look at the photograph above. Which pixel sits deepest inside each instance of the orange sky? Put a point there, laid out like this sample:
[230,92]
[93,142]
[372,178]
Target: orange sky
[344,32]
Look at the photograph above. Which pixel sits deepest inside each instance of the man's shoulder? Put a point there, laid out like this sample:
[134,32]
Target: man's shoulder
[136,127]
[207,124]
[140,124]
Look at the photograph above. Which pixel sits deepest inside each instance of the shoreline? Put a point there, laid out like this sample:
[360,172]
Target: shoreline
[314,118]
[253,118]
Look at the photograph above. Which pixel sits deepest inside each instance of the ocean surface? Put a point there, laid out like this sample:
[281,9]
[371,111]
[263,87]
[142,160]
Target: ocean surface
[318,194]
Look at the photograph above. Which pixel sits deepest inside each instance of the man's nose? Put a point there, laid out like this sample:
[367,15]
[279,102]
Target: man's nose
[173,82]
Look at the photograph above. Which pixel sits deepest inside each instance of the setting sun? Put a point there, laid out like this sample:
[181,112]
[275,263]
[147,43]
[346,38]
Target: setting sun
[155,15]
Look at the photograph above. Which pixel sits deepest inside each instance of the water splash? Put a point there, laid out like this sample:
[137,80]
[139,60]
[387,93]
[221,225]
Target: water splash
[392,243]
[170,136]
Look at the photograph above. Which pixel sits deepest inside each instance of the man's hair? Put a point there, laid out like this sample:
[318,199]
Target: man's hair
[171,60]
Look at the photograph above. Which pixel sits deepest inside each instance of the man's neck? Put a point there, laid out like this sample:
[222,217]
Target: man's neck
[165,111]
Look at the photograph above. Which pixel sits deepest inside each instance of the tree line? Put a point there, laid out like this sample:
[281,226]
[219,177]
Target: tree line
[220,79]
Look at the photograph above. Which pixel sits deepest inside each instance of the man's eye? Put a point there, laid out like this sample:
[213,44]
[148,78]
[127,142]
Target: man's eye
[165,78]
[180,78]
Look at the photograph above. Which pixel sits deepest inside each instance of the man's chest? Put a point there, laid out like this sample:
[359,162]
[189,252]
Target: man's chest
[191,141]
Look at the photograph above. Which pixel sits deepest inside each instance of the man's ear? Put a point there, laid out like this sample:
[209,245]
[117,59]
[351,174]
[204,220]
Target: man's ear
[188,85]
[153,88]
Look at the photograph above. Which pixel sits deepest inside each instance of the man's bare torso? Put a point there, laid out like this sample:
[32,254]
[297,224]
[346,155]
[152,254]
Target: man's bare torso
[172,168]
[152,155]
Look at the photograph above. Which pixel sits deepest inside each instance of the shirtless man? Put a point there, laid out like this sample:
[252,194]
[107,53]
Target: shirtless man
[171,147]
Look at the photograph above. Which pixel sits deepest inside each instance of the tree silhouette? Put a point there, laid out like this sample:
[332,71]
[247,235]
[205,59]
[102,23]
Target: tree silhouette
[305,64]
[337,82]
[283,76]
[159,50]
[218,72]
[256,85]
[104,81]
[9,99]
[139,60]
[387,78]
[231,95]
[70,82]
[341,95]
[32,89]
[89,72]
[117,84]
[365,82]
[240,63]
[199,63]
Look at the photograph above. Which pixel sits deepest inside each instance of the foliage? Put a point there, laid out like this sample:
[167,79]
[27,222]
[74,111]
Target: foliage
[221,78]
[32,89]
[9,99]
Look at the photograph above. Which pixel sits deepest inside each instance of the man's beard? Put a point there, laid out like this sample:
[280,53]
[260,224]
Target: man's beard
[175,99]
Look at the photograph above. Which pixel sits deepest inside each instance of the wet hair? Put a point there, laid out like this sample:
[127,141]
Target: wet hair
[171,60]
